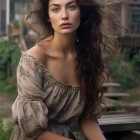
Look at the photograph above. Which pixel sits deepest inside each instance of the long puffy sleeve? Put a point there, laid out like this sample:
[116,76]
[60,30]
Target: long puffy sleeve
[29,111]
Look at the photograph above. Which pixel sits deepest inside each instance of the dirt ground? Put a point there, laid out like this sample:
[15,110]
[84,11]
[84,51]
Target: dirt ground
[5,107]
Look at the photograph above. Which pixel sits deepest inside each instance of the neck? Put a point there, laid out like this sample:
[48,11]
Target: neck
[64,43]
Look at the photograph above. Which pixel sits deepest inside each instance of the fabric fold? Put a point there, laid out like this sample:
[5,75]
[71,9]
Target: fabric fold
[30,112]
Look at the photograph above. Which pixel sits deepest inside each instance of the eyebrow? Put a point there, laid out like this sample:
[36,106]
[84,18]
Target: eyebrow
[59,4]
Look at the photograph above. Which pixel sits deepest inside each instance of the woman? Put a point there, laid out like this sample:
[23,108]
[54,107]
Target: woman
[59,78]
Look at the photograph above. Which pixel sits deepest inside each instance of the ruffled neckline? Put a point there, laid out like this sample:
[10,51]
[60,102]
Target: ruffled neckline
[49,74]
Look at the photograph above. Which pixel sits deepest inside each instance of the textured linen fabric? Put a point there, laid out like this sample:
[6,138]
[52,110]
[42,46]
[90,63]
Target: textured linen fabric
[43,103]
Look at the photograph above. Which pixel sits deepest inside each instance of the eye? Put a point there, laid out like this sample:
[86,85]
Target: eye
[55,9]
[72,7]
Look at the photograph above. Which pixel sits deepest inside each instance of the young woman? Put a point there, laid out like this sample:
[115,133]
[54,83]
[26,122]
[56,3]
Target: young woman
[59,79]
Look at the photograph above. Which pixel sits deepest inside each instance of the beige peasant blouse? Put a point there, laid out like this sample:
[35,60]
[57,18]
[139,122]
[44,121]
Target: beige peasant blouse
[43,103]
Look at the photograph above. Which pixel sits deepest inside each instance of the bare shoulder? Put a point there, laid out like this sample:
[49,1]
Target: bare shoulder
[38,52]
[43,50]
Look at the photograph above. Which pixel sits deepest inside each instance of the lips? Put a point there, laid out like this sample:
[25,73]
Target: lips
[65,24]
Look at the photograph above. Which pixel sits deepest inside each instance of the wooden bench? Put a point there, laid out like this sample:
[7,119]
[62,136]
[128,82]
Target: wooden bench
[116,123]
[111,84]
[107,86]
[116,95]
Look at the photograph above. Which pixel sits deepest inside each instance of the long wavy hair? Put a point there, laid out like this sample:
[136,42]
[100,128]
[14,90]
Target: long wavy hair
[88,46]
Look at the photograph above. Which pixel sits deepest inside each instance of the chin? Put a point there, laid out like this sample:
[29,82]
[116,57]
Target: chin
[68,31]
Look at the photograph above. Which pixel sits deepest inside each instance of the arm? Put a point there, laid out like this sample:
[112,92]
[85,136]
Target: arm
[51,136]
[92,130]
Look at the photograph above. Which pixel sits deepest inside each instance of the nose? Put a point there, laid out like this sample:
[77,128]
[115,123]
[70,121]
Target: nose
[65,14]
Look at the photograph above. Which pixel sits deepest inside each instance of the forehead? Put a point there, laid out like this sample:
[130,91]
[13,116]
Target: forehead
[60,1]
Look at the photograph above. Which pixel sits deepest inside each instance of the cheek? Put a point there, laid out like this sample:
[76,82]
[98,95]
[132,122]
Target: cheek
[53,18]
[77,14]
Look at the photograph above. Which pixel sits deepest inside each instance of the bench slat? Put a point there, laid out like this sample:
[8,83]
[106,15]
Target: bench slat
[113,123]
[117,95]
[110,84]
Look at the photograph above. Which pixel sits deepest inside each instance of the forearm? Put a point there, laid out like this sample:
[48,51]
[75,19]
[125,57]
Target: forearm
[92,130]
[51,136]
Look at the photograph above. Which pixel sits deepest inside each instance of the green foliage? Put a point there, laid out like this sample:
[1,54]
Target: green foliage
[16,23]
[117,106]
[5,131]
[9,58]
[124,73]
[136,60]
[9,87]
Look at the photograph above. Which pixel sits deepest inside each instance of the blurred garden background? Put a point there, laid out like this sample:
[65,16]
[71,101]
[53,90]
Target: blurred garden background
[122,89]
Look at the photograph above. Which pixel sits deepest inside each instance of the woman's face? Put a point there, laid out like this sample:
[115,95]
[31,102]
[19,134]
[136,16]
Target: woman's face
[64,15]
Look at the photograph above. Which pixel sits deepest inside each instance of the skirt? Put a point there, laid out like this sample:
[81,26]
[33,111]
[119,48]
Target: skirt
[69,130]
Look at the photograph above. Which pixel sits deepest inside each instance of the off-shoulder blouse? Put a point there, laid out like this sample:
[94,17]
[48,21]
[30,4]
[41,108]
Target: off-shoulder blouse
[43,103]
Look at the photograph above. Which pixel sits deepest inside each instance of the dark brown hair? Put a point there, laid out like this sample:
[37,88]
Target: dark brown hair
[90,56]
[88,47]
